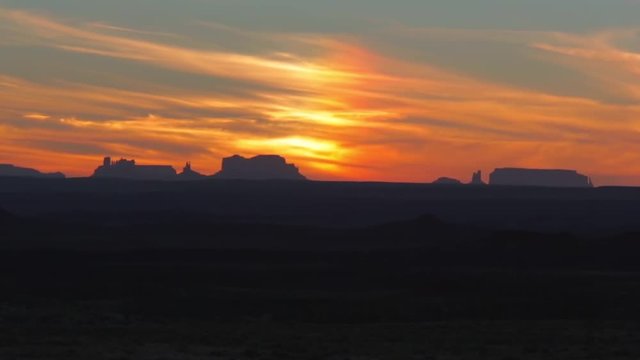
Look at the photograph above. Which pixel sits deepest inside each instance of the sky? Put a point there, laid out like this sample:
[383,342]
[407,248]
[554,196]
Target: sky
[363,90]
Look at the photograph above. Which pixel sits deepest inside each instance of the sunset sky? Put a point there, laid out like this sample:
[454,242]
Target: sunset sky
[406,90]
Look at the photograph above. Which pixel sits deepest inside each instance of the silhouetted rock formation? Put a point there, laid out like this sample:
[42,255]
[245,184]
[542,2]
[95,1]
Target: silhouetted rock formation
[447,181]
[189,174]
[7,170]
[476,179]
[262,167]
[127,169]
[539,177]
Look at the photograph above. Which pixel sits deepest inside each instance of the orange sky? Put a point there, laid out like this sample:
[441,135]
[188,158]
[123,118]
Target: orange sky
[338,105]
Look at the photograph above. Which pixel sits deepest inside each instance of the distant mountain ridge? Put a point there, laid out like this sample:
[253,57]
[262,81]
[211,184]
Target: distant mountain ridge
[276,167]
[9,170]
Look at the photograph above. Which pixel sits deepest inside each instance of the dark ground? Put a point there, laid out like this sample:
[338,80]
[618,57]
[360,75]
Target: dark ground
[219,270]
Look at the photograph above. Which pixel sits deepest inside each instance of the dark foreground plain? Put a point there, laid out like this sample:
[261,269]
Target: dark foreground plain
[278,270]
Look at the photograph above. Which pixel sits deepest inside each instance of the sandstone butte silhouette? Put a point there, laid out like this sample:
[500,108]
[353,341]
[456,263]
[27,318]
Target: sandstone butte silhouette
[189,174]
[262,167]
[526,177]
[539,177]
[128,169]
[476,179]
[7,170]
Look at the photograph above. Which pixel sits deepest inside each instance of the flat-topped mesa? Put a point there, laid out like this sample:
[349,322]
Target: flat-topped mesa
[261,167]
[128,169]
[539,177]
[8,170]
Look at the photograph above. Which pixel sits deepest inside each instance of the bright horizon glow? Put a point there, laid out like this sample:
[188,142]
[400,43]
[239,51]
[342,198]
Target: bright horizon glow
[343,90]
